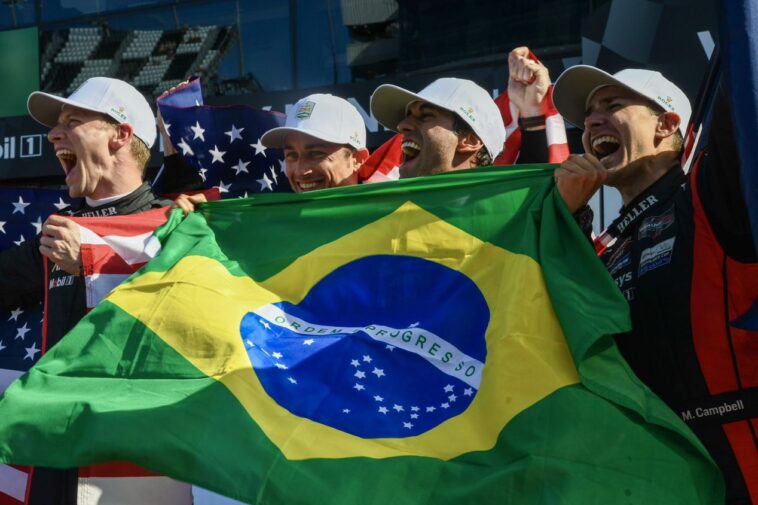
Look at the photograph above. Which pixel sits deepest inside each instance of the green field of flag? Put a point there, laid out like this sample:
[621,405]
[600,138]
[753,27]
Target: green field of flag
[441,340]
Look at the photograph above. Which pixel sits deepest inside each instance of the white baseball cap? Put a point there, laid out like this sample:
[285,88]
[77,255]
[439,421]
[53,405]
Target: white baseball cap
[389,105]
[112,97]
[575,86]
[326,117]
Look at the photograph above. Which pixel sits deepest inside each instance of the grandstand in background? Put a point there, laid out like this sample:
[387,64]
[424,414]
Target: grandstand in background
[153,60]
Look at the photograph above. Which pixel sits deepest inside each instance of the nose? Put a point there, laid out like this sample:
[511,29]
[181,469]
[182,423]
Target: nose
[405,124]
[55,135]
[594,118]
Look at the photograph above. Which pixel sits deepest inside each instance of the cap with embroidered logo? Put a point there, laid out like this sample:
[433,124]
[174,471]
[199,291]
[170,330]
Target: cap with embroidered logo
[389,105]
[112,97]
[575,87]
[323,116]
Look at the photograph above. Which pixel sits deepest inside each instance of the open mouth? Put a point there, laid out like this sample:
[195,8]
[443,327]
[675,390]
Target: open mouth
[310,185]
[410,150]
[67,159]
[605,145]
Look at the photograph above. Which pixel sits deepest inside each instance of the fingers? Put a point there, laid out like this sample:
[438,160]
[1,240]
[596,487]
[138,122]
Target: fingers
[60,242]
[578,178]
[188,202]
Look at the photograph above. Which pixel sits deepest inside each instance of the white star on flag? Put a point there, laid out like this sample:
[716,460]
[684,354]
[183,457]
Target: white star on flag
[452,398]
[468,392]
[390,347]
[277,355]
[167,126]
[359,387]
[37,225]
[20,240]
[383,410]
[185,147]
[414,416]
[430,409]
[217,155]
[15,314]
[293,381]
[282,167]
[61,204]
[445,405]
[21,332]
[265,183]
[1,345]
[223,188]
[414,409]
[378,372]
[408,425]
[265,325]
[449,388]
[345,411]
[308,341]
[355,363]
[398,408]
[360,375]
[241,166]
[259,148]
[202,172]
[378,398]
[19,206]
[273,174]
[234,134]
[367,358]
[2,226]
[280,366]
[199,131]
[31,351]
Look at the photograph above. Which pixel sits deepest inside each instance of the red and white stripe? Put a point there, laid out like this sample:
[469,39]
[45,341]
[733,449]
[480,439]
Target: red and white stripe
[115,247]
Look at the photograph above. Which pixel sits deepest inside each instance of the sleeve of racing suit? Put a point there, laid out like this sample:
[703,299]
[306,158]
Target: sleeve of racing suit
[179,176]
[533,147]
[719,184]
[22,276]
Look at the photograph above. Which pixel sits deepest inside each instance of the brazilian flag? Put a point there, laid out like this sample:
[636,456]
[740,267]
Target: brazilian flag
[442,340]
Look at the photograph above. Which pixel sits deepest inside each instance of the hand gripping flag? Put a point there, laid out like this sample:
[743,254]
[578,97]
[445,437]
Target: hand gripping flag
[436,340]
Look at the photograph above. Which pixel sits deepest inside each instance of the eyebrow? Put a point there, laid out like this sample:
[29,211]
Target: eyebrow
[604,101]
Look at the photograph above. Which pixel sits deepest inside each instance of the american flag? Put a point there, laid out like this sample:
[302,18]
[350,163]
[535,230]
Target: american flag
[22,213]
[224,143]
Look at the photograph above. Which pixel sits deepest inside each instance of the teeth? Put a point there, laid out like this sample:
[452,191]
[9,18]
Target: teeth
[410,148]
[65,153]
[607,139]
[308,185]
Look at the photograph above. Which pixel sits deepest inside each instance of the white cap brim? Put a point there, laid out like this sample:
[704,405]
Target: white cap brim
[45,108]
[575,86]
[389,104]
[274,138]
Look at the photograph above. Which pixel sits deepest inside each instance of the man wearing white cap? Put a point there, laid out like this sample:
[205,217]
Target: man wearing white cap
[681,252]
[102,136]
[324,143]
[452,124]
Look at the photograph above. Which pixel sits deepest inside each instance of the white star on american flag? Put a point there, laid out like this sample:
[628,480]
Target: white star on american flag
[19,206]
[15,314]
[31,351]
[20,240]
[265,183]
[185,147]
[259,148]
[217,155]
[2,226]
[199,131]
[37,225]
[241,166]
[21,332]
[61,204]
[234,134]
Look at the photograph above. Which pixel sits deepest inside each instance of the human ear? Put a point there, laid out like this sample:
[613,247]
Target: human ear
[359,157]
[469,143]
[122,137]
[668,124]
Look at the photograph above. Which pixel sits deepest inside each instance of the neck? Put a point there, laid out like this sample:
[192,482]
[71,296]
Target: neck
[642,173]
[124,178]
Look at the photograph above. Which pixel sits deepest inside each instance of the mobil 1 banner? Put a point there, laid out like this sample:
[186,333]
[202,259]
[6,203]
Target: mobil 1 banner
[24,150]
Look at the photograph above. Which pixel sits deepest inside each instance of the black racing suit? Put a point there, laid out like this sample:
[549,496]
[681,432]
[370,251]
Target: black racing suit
[683,229]
[22,284]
